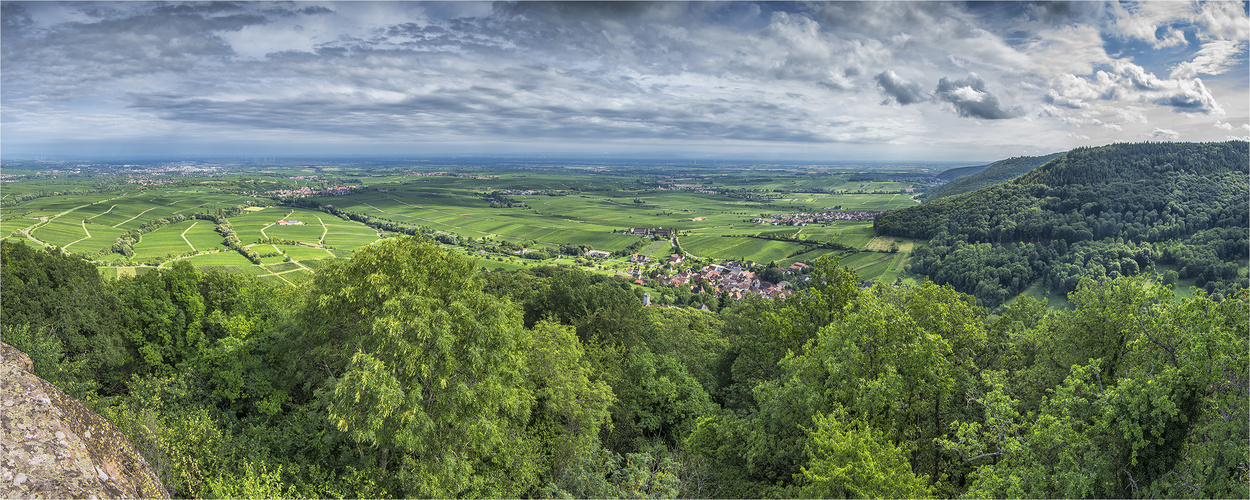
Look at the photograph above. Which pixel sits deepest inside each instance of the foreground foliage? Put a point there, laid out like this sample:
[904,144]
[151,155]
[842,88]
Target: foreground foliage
[405,372]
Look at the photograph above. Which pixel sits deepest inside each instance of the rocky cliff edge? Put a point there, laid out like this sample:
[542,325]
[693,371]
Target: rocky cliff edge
[56,447]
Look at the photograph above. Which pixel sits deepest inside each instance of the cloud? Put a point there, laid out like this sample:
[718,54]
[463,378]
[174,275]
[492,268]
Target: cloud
[1068,50]
[1163,133]
[1245,127]
[1130,83]
[1213,59]
[971,99]
[1161,23]
[550,72]
[899,90]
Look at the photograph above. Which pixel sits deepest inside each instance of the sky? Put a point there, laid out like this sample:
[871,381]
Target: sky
[810,81]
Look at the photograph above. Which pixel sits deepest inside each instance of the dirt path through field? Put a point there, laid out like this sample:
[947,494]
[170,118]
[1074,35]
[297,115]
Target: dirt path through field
[87,237]
[184,237]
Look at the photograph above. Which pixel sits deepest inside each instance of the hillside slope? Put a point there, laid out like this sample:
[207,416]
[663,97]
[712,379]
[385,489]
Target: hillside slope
[1086,214]
[956,173]
[994,173]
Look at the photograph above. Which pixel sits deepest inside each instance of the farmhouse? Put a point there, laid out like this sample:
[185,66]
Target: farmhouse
[637,258]
[598,254]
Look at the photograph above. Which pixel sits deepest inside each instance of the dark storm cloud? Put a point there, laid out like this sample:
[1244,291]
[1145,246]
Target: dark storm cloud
[971,99]
[898,90]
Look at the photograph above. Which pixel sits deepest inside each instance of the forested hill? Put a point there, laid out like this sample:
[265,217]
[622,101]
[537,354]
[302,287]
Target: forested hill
[994,173]
[1098,212]
[956,173]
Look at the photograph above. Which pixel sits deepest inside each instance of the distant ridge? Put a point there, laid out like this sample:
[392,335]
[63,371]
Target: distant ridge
[988,175]
[956,173]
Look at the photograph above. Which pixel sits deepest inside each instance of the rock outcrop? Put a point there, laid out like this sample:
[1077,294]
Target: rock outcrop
[56,447]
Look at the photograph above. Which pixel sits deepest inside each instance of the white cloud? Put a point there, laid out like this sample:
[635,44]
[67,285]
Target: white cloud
[1068,50]
[1130,83]
[1144,21]
[1163,133]
[1213,59]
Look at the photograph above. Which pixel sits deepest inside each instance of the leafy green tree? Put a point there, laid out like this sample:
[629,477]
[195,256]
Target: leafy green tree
[426,368]
[1151,417]
[853,460]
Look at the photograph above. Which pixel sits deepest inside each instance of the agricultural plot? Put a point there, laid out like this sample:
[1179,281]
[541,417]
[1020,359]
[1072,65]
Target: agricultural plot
[304,253]
[164,242]
[247,226]
[16,225]
[347,234]
[308,232]
[755,249]
[60,232]
[226,258]
[593,203]
[203,235]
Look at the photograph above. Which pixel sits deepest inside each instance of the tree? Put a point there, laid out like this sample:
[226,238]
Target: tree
[425,368]
[853,460]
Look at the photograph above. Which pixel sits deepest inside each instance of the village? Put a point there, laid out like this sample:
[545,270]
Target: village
[729,278]
[803,218]
[307,191]
[658,232]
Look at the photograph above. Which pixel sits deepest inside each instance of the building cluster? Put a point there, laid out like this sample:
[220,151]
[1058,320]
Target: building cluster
[803,218]
[307,191]
[152,182]
[644,231]
[695,188]
[728,278]
[451,174]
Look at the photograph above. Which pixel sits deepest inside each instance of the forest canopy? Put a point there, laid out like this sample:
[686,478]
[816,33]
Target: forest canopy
[1104,212]
[408,372]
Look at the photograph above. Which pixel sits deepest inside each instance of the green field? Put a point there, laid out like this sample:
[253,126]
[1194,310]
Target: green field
[550,207]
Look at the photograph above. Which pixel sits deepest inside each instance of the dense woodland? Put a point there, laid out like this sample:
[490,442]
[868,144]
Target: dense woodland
[408,372]
[1103,212]
[986,176]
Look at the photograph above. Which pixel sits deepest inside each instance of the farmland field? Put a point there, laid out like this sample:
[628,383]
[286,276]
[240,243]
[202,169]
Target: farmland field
[489,214]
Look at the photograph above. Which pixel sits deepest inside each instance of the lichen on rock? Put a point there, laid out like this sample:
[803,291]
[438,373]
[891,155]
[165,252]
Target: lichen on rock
[57,447]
